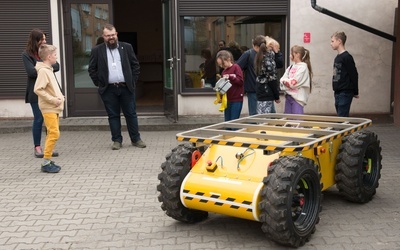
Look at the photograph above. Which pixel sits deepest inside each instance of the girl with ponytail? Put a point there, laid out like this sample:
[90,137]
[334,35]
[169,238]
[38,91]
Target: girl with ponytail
[296,82]
[267,87]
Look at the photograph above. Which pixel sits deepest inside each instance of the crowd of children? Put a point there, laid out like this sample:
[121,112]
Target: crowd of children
[258,78]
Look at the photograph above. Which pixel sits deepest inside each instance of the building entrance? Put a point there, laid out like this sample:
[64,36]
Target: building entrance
[138,23]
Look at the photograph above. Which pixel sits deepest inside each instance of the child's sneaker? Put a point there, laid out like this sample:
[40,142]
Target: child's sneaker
[51,167]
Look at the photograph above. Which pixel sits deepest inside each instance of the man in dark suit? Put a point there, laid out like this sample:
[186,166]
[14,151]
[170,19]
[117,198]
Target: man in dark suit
[114,68]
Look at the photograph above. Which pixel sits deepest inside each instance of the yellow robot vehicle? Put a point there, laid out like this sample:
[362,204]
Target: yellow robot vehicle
[270,168]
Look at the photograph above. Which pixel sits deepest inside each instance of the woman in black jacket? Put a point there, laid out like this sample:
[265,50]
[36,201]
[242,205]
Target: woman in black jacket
[30,57]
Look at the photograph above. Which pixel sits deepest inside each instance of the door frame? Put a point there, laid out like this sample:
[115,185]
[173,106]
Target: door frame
[91,94]
[171,59]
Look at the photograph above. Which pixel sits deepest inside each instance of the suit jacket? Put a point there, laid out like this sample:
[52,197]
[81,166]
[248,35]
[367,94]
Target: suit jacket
[98,66]
[29,64]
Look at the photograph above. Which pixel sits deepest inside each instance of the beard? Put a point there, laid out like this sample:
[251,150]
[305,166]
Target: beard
[112,43]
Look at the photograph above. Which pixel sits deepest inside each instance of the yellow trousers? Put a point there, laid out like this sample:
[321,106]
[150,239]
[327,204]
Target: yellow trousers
[51,120]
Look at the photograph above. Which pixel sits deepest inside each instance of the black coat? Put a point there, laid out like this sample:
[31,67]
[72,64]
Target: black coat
[29,64]
[98,66]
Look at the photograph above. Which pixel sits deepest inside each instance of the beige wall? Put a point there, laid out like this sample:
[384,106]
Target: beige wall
[396,102]
[372,53]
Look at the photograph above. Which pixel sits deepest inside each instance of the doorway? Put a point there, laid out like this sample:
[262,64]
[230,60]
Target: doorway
[142,20]
[138,23]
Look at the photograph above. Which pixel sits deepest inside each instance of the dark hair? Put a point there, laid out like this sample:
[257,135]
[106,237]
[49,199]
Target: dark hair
[100,40]
[206,53]
[108,26]
[32,47]
[234,45]
[261,43]
[243,48]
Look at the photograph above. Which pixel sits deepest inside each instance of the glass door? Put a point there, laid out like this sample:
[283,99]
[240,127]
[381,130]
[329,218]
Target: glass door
[171,62]
[84,20]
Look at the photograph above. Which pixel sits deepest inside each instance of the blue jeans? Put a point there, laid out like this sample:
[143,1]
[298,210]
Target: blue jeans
[343,102]
[252,102]
[37,124]
[233,110]
[116,98]
[273,110]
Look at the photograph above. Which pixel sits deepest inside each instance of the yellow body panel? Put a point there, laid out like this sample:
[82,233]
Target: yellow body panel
[234,185]
[253,166]
[237,198]
[231,184]
[325,161]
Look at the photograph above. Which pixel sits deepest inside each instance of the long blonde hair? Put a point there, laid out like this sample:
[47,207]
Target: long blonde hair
[304,57]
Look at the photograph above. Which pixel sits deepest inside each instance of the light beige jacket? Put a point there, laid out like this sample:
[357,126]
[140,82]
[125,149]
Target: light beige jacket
[48,90]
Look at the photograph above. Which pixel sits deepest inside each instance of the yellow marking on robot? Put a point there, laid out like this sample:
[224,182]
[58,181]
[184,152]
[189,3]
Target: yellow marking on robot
[229,202]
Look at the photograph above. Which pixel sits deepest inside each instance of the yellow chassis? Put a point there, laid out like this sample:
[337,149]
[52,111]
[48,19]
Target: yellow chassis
[227,177]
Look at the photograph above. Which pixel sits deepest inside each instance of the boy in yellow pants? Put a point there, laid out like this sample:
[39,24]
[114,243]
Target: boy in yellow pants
[51,102]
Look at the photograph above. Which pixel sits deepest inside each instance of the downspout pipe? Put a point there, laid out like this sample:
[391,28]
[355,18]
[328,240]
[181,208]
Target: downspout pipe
[352,22]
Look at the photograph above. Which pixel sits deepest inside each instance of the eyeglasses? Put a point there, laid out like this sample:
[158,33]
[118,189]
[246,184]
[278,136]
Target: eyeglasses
[110,35]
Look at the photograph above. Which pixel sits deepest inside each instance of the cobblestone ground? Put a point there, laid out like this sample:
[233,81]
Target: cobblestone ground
[105,199]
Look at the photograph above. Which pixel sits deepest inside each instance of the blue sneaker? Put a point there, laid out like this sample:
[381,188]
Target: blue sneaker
[51,167]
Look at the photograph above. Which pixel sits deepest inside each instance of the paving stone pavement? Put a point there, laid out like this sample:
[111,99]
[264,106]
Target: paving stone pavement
[105,199]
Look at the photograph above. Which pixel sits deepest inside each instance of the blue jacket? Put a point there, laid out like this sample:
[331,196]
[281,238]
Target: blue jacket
[246,63]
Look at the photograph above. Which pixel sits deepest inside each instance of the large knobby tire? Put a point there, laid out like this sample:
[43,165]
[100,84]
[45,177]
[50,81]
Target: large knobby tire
[174,171]
[358,167]
[291,200]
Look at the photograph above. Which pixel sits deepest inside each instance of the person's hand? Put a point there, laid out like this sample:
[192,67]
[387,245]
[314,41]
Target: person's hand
[278,101]
[58,103]
[286,83]
[357,96]
[275,47]
[226,76]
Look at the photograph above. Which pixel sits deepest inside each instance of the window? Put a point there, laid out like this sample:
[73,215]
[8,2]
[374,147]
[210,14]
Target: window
[86,8]
[98,13]
[88,44]
[202,34]
[105,15]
